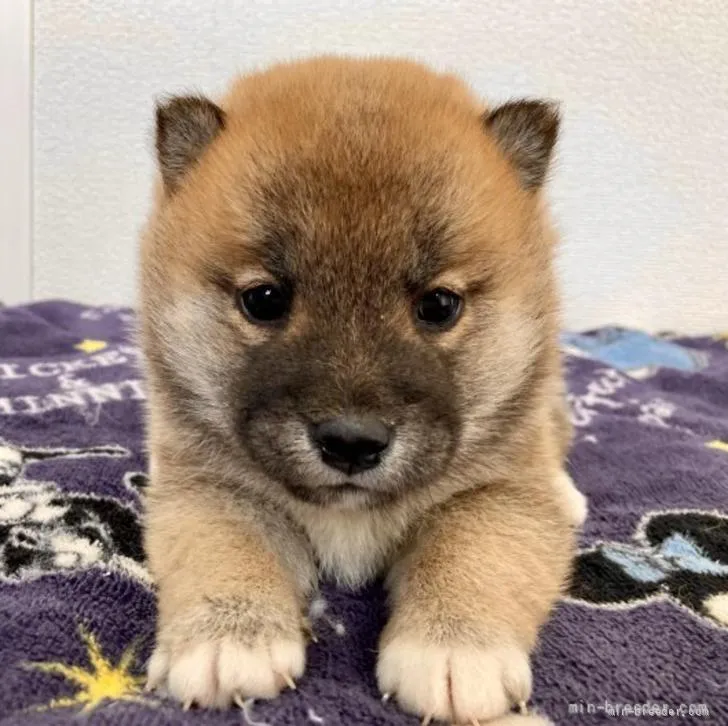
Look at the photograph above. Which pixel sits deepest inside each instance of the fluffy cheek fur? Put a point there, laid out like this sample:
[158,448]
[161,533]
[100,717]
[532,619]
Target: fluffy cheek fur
[499,366]
[190,357]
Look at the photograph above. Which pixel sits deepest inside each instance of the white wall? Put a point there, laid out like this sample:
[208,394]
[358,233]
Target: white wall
[16,83]
[641,189]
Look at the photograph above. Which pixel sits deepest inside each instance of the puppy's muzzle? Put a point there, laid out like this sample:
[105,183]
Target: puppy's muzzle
[351,444]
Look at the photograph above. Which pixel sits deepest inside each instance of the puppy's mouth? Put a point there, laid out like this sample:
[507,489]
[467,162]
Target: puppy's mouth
[346,487]
[346,494]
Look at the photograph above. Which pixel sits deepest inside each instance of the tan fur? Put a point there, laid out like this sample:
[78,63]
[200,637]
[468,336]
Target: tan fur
[477,557]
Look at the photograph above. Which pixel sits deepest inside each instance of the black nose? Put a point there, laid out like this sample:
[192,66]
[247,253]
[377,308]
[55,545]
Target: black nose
[351,444]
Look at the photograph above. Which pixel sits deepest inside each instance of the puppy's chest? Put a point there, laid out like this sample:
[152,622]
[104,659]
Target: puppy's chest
[351,547]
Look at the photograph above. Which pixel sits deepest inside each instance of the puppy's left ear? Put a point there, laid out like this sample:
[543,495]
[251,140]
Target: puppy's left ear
[525,131]
[186,125]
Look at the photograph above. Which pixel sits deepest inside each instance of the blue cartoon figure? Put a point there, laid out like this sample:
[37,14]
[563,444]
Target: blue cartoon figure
[637,354]
[682,556]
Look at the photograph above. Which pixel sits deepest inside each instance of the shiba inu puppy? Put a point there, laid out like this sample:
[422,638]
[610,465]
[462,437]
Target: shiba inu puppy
[349,319]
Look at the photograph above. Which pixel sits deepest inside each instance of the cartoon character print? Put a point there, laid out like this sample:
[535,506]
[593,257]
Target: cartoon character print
[635,353]
[676,555]
[44,530]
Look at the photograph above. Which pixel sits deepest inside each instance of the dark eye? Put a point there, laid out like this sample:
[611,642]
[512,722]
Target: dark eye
[439,308]
[264,303]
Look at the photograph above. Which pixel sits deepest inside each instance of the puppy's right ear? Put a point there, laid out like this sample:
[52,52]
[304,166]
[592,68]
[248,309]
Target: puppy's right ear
[185,127]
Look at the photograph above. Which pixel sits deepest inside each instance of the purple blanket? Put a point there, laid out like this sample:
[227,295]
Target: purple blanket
[643,633]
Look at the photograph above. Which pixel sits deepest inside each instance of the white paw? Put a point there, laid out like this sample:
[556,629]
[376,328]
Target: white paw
[460,684]
[573,500]
[217,673]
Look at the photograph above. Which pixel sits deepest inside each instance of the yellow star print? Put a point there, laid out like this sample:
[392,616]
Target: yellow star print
[718,444]
[102,681]
[89,346]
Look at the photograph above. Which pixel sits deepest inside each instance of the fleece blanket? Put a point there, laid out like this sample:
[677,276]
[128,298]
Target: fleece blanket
[641,634]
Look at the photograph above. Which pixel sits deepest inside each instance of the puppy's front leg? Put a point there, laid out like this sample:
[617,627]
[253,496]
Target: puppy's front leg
[469,597]
[230,593]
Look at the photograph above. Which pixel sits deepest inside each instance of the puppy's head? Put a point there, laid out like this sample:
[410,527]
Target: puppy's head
[347,276]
